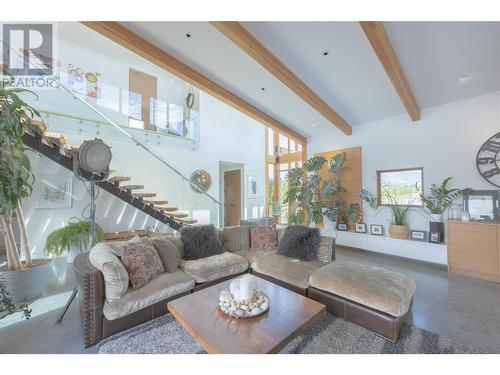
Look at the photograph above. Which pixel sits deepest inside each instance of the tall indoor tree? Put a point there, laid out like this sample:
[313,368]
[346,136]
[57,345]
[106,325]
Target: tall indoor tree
[16,175]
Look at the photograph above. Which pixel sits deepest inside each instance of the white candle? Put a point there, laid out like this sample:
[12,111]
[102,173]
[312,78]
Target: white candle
[234,288]
[246,287]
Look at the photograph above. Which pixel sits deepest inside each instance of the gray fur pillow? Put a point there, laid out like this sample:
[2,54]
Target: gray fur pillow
[300,242]
[200,241]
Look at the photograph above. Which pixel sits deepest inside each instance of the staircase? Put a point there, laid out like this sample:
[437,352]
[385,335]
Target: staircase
[55,147]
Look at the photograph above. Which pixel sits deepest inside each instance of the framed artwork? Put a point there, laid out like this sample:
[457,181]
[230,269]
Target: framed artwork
[418,235]
[483,204]
[253,187]
[376,230]
[53,191]
[435,237]
[342,226]
[360,228]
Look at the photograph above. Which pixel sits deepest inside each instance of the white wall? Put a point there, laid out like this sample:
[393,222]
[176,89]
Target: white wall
[226,135]
[444,142]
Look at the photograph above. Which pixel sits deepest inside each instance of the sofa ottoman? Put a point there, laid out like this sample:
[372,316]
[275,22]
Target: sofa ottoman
[215,267]
[370,296]
[288,272]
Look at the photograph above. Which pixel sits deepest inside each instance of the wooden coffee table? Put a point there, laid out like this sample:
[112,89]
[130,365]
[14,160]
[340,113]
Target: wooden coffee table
[289,315]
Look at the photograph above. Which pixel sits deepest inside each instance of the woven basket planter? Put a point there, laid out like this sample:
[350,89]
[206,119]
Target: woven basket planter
[398,231]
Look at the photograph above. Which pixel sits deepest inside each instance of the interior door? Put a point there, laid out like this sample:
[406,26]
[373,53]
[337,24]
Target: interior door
[232,197]
[142,87]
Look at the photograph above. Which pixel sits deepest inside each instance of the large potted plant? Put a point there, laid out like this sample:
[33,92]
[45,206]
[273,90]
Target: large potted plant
[24,278]
[72,238]
[399,209]
[440,198]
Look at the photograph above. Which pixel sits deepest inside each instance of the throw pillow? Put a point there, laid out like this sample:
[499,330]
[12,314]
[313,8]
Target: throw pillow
[263,237]
[236,238]
[169,255]
[117,247]
[300,242]
[200,241]
[115,275]
[142,263]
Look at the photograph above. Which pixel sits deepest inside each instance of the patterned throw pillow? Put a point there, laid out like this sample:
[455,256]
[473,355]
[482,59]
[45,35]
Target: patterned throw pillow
[263,237]
[142,263]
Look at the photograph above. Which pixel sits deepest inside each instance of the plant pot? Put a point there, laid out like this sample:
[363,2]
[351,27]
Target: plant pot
[27,284]
[398,231]
[329,227]
[437,218]
[72,255]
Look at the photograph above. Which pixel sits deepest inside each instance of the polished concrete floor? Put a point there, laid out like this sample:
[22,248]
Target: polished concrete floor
[464,309]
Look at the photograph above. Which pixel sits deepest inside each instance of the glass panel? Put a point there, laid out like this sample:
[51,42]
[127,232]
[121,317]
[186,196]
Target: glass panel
[175,119]
[270,142]
[283,188]
[400,187]
[293,146]
[299,147]
[134,110]
[270,188]
[283,143]
[284,167]
[158,113]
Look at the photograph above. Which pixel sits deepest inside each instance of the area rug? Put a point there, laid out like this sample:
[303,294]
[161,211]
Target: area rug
[329,335]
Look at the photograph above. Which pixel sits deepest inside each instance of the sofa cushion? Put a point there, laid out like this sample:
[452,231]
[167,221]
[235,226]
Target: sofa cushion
[236,238]
[263,237]
[168,252]
[380,289]
[289,270]
[214,267]
[117,246]
[115,275]
[164,286]
[252,255]
[142,262]
[200,241]
[300,242]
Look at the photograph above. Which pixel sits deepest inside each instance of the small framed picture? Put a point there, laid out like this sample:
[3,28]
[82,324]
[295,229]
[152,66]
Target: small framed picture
[376,229]
[418,235]
[342,226]
[435,237]
[360,228]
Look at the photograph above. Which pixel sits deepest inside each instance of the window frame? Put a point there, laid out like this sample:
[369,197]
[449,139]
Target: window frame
[379,192]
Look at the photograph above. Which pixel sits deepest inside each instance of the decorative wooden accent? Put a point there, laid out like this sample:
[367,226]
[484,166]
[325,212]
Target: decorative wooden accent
[256,50]
[289,315]
[474,249]
[137,44]
[377,37]
[352,174]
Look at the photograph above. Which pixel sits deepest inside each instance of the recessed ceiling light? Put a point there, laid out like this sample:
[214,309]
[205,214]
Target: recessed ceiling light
[326,53]
[188,35]
[462,78]
[262,89]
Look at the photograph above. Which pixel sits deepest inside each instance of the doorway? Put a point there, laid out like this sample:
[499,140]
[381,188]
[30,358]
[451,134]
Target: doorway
[232,197]
[142,90]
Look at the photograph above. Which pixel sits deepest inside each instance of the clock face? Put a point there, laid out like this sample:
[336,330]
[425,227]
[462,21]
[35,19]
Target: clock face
[488,160]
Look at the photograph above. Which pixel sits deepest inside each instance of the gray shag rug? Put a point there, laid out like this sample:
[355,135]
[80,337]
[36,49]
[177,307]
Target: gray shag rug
[329,335]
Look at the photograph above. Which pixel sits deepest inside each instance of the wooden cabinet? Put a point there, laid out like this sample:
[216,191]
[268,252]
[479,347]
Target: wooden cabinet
[474,249]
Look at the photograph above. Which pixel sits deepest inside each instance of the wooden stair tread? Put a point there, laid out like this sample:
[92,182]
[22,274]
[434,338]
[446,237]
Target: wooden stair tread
[163,208]
[187,220]
[125,235]
[154,203]
[132,187]
[38,126]
[144,195]
[176,214]
[113,170]
[56,138]
[119,178]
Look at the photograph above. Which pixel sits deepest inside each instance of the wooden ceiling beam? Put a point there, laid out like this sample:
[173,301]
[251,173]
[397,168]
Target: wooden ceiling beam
[137,44]
[377,37]
[235,32]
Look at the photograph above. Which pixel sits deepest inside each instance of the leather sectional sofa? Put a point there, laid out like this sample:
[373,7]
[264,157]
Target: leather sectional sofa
[359,296]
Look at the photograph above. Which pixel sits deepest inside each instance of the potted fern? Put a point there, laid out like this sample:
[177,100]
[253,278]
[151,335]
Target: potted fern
[72,238]
[440,198]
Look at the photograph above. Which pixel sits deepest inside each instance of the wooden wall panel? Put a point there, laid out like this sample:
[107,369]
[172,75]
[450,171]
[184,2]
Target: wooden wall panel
[352,173]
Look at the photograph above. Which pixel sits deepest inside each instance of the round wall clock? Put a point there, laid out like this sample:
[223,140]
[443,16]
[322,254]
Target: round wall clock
[488,160]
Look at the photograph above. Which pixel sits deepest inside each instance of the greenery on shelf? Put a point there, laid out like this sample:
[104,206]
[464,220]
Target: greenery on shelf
[309,194]
[74,235]
[399,209]
[441,197]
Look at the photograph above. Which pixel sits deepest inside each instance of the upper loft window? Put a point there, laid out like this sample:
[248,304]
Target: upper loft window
[401,187]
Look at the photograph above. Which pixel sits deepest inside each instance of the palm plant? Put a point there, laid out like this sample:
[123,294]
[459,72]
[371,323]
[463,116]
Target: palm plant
[16,175]
[441,197]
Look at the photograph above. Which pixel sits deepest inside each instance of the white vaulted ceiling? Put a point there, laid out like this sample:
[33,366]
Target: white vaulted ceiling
[350,78]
